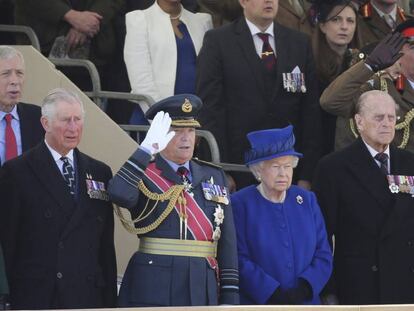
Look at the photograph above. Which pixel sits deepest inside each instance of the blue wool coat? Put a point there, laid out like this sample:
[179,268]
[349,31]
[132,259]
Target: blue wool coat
[279,243]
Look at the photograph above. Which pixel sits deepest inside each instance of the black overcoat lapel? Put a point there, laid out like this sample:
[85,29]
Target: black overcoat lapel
[50,178]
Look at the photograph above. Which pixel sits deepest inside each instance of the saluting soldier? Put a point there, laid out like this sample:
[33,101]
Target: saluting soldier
[181,213]
[342,94]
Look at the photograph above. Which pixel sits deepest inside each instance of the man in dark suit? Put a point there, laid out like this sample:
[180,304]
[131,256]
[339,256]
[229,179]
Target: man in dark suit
[56,222]
[255,74]
[187,252]
[366,194]
[24,118]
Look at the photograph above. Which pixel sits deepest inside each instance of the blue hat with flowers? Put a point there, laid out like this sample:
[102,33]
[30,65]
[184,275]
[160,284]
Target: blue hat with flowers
[269,144]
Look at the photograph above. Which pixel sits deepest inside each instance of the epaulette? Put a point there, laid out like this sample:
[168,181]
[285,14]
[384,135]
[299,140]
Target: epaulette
[207,163]
[366,11]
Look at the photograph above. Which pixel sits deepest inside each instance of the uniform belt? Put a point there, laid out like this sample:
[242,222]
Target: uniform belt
[175,247]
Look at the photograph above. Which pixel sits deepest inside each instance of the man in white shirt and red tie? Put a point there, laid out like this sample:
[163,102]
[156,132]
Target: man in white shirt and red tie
[20,127]
[255,74]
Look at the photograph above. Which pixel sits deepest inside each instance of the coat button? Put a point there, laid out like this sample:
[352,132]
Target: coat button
[61,245]
[410,243]
[59,275]
[48,213]
[374,268]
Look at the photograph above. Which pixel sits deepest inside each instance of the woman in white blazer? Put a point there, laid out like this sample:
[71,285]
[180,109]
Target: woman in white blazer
[155,55]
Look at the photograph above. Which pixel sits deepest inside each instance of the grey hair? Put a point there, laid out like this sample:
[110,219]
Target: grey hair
[256,167]
[54,97]
[8,52]
[364,98]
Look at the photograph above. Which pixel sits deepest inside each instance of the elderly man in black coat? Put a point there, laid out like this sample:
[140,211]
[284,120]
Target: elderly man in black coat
[366,194]
[56,222]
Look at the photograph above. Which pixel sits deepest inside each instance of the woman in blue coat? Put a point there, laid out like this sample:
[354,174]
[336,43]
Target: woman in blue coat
[284,255]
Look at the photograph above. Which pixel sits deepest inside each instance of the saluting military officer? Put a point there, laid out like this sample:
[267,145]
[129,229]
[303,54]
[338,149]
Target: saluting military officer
[342,94]
[181,213]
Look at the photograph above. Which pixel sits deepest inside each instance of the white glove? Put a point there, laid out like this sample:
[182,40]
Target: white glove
[158,135]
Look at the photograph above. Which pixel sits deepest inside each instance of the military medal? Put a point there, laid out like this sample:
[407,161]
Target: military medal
[215,193]
[96,189]
[218,215]
[218,220]
[401,183]
[302,86]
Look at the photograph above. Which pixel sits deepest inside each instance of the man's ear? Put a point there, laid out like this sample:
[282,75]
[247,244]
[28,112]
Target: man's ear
[358,122]
[45,123]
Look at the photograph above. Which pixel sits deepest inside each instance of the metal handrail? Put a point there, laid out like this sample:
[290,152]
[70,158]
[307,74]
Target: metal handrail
[88,65]
[122,95]
[28,31]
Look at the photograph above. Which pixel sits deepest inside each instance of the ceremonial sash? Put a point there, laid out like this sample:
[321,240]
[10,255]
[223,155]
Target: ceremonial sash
[198,223]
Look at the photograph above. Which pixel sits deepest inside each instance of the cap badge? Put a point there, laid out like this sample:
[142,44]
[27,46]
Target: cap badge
[186,107]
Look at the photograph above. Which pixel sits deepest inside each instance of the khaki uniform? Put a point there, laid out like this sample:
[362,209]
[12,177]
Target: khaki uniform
[288,17]
[342,94]
[374,28]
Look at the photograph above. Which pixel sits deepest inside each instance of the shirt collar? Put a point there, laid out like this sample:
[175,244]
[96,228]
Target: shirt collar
[175,166]
[374,152]
[254,30]
[393,13]
[13,113]
[56,155]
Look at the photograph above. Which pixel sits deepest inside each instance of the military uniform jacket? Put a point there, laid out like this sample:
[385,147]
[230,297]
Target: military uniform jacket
[288,17]
[373,228]
[59,250]
[343,93]
[373,29]
[180,280]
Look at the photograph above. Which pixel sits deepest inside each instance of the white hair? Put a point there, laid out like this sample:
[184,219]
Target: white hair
[256,168]
[54,97]
[8,52]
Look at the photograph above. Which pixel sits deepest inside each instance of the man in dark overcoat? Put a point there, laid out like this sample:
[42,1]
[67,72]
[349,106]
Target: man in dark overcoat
[366,195]
[56,222]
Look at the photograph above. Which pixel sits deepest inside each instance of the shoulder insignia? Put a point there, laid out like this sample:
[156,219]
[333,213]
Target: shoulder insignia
[207,163]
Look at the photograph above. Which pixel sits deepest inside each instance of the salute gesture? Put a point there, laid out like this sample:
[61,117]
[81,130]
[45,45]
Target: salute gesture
[159,134]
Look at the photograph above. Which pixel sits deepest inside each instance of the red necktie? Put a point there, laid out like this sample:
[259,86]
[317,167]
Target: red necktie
[11,145]
[268,55]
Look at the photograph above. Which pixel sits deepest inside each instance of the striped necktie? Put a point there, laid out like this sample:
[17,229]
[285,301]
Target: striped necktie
[68,174]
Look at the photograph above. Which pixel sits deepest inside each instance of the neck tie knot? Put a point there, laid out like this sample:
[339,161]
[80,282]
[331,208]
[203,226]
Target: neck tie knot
[389,20]
[182,171]
[8,117]
[383,159]
[264,37]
